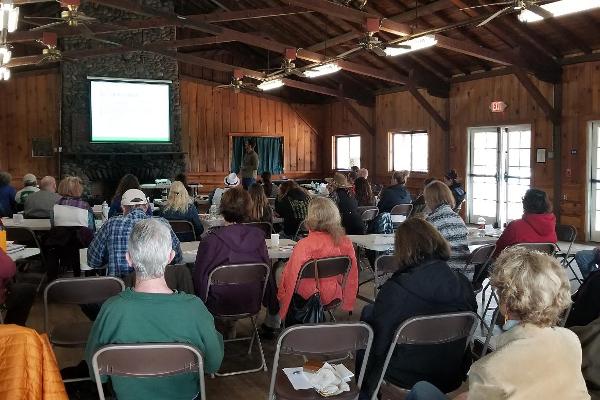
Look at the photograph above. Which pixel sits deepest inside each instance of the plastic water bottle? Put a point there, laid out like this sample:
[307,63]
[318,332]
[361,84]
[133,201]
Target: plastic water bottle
[3,244]
[481,226]
[105,209]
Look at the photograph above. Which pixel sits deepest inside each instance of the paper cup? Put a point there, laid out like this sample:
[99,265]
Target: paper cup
[275,240]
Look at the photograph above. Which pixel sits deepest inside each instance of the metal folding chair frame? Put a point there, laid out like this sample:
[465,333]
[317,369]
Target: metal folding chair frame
[255,335]
[398,340]
[316,327]
[377,272]
[197,366]
[180,223]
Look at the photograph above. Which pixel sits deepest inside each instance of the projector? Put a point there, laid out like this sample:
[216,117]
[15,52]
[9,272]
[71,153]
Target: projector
[162,182]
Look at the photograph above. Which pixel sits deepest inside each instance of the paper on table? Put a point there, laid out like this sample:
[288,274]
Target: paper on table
[297,378]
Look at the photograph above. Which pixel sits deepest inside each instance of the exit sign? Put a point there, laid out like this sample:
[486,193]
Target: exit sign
[498,106]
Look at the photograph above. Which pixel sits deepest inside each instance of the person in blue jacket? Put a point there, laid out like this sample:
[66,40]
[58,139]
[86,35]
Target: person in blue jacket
[396,193]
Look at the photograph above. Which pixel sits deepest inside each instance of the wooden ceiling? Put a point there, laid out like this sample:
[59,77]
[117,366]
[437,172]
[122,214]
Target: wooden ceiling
[253,35]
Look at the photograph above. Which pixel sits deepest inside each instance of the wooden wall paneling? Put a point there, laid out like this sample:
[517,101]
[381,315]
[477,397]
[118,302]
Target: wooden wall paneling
[226,127]
[217,130]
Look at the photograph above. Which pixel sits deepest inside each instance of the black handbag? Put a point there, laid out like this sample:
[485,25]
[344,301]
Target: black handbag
[309,311]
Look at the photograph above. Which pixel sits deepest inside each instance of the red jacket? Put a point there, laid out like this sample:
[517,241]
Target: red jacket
[532,228]
[318,245]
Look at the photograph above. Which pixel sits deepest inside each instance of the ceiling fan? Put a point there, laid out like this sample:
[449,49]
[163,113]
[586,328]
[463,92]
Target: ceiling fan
[71,16]
[237,83]
[511,6]
[50,53]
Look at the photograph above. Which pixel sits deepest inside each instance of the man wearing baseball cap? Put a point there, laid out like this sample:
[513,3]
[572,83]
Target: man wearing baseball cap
[29,187]
[110,243]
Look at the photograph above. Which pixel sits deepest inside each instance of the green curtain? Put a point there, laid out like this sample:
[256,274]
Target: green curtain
[269,150]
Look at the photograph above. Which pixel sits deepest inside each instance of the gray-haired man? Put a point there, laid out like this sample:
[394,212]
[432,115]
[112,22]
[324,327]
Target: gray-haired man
[151,312]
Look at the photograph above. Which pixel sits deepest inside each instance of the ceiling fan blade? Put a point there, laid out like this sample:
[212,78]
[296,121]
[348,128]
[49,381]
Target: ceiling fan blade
[493,16]
[82,17]
[89,34]
[379,51]
[487,5]
[399,46]
[46,18]
[539,11]
[39,28]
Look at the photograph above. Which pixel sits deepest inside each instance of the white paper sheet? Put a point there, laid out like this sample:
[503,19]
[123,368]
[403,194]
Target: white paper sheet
[297,378]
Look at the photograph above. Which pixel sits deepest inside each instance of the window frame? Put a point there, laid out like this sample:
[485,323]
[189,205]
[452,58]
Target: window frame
[408,132]
[335,151]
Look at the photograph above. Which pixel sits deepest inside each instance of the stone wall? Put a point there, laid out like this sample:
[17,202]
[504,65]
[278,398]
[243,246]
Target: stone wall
[109,161]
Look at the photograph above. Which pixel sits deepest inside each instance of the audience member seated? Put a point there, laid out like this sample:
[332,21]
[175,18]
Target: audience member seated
[271,189]
[537,225]
[587,261]
[424,284]
[70,189]
[16,297]
[234,243]
[183,179]
[586,302]
[292,206]
[29,187]
[419,208]
[351,178]
[7,195]
[179,206]
[451,226]
[589,336]
[396,193]
[534,359]
[152,313]
[127,182]
[363,173]
[364,194]
[341,194]
[230,181]
[109,246]
[354,169]
[326,238]
[41,203]
[451,179]
[260,211]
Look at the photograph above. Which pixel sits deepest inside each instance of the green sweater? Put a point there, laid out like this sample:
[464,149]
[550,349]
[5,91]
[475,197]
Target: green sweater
[133,317]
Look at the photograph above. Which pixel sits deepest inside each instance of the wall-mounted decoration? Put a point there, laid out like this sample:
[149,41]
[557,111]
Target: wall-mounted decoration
[42,147]
[540,156]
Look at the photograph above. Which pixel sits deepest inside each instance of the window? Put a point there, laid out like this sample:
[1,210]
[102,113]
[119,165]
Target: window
[410,151]
[347,152]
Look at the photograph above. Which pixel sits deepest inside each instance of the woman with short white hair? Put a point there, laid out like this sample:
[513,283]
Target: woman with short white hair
[180,207]
[534,359]
[153,313]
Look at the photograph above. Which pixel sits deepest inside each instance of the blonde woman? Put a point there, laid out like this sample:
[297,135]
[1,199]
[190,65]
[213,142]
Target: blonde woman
[179,206]
[534,359]
[326,238]
[260,211]
[439,199]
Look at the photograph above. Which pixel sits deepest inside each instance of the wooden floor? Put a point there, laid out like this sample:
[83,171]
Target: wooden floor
[243,387]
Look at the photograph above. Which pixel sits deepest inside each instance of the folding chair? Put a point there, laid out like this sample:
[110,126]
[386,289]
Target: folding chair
[326,268]
[333,339]
[26,236]
[184,230]
[426,330]
[384,266]
[147,360]
[232,276]
[480,259]
[368,213]
[92,290]
[546,248]
[266,227]
[400,210]
[301,232]
[567,233]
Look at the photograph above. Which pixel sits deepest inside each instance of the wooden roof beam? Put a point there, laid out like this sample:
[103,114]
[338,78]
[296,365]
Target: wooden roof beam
[334,41]
[503,58]
[442,122]
[539,98]
[351,15]
[422,11]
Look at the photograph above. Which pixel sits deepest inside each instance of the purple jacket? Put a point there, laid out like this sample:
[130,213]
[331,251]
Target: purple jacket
[233,244]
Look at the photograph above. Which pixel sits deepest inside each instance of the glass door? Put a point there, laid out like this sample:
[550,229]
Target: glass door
[499,172]
[594,188]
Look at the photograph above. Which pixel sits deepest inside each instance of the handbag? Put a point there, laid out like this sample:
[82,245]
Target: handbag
[309,311]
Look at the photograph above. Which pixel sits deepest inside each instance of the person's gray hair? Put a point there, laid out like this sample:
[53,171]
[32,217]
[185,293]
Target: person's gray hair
[149,248]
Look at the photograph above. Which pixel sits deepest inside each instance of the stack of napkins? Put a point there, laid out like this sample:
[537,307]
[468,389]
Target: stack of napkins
[330,380]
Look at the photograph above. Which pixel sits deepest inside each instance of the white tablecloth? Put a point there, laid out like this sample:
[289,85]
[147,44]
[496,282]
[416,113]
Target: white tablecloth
[33,224]
[24,253]
[212,222]
[283,251]
[377,242]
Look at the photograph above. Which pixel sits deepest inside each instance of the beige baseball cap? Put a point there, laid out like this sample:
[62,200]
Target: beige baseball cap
[133,197]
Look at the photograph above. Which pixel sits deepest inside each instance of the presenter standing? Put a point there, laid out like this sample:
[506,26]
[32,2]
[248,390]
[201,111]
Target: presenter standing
[249,168]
